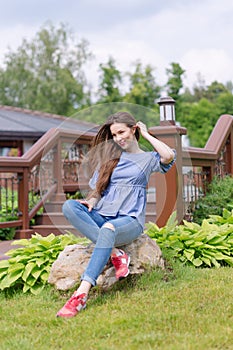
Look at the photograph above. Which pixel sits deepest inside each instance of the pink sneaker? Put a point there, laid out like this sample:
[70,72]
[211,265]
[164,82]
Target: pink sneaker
[121,264]
[73,306]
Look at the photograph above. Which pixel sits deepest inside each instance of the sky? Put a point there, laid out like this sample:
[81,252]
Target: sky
[197,34]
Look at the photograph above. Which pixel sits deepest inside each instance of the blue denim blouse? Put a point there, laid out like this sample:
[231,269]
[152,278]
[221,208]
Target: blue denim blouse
[126,192]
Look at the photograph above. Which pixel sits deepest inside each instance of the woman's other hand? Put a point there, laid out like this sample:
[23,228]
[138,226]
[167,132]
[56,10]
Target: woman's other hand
[90,203]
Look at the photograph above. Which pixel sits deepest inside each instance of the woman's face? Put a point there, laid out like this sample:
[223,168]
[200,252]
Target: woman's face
[123,135]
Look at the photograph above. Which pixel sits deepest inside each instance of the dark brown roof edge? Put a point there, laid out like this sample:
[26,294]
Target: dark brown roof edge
[33,112]
[43,114]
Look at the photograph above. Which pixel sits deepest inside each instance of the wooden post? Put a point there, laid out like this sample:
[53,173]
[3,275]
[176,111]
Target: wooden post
[23,202]
[57,170]
[169,186]
[229,154]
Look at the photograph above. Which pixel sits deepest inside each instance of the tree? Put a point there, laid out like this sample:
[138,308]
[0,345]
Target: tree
[199,88]
[214,90]
[201,116]
[174,83]
[46,73]
[224,103]
[109,82]
[143,88]
[200,121]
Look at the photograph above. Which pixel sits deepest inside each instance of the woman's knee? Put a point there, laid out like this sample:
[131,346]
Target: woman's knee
[68,207]
[108,225]
[106,238]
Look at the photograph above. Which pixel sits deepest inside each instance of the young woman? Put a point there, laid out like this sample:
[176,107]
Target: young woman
[114,213]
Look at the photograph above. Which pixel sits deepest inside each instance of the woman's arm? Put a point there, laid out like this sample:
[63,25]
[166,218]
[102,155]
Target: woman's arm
[166,153]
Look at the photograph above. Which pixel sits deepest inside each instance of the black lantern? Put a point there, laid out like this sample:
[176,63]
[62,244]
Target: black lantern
[167,110]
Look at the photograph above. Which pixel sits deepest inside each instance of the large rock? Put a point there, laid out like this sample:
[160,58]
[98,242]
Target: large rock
[71,263]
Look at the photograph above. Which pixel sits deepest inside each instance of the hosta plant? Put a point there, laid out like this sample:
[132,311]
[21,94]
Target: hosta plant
[209,244]
[226,218]
[29,266]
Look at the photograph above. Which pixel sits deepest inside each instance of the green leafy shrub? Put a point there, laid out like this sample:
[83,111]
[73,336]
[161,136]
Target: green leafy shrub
[218,196]
[7,233]
[76,195]
[206,245]
[29,267]
[226,218]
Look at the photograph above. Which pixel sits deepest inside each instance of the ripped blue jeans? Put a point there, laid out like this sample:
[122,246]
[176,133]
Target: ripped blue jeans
[91,225]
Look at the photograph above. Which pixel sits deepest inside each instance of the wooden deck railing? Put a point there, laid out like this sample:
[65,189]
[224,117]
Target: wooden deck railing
[50,168]
[38,173]
[202,164]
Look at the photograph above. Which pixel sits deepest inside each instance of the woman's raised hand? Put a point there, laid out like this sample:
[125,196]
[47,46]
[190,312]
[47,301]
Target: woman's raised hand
[143,128]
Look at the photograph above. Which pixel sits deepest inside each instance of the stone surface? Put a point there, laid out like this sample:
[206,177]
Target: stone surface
[71,263]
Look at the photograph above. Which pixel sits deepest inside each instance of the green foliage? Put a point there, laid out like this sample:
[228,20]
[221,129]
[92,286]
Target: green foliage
[46,73]
[143,89]
[224,103]
[7,233]
[9,210]
[174,83]
[76,195]
[200,110]
[99,112]
[200,121]
[207,245]
[9,201]
[214,90]
[226,218]
[219,195]
[110,78]
[28,267]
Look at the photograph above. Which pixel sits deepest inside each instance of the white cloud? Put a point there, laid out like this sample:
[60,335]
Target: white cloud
[213,64]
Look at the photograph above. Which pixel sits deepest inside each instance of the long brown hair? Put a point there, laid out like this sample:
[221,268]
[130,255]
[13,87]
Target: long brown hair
[105,153]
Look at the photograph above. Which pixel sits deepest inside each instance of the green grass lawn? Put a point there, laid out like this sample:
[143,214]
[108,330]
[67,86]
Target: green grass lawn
[179,308]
